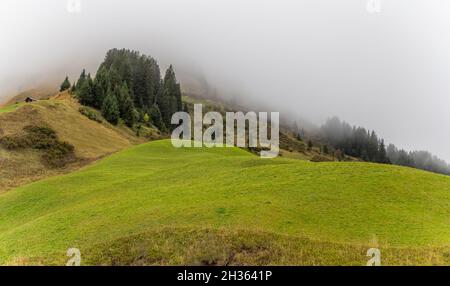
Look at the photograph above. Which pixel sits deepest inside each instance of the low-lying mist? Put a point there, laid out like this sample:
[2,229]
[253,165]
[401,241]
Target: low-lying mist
[385,69]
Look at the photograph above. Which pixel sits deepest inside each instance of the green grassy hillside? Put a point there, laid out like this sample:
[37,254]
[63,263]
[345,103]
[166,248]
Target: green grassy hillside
[155,204]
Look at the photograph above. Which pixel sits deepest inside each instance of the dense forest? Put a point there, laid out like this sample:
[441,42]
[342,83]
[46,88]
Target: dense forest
[128,87]
[364,144]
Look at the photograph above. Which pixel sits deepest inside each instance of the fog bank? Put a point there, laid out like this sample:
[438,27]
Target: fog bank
[385,70]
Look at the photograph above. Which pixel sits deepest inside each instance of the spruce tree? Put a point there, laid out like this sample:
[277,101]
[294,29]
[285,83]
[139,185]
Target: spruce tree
[372,146]
[73,89]
[148,93]
[110,109]
[310,144]
[156,118]
[185,108]
[65,84]
[170,101]
[100,88]
[81,80]
[382,154]
[85,92]
[127,110]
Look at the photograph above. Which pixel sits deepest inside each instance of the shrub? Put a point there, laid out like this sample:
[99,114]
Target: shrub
[59,154]
[90,113]
[320,158]
[39,137]
[11,143]
[56,153]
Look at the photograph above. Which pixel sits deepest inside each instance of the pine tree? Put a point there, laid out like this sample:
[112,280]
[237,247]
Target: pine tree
[73,89]
[147,92]
[85,92]
[310,144]
[100,88]
[65,84]
[156,118]
[185,108]
[81,80]
[114,78]
[372,148]
[178,97]
[170,101]
[382,154]
[110,109]
[127,110]
[295,128]
[392,153]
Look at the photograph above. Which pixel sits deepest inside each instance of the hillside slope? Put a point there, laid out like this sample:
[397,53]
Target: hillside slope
[290,146]
[92,140]
[40,92]
[155,204]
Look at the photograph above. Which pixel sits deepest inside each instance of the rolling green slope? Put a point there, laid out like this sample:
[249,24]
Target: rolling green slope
[155,204]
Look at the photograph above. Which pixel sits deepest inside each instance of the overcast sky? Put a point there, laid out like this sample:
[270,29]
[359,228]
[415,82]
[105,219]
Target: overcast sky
[386,69]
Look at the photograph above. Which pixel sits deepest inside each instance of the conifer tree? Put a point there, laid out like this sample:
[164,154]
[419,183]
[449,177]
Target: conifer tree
[126,106]
[185,108]
[73,89]
[100,88]
[110,109]
[85,92]
[170,101]
[81,80]
[65,84]
[156,118]
[382,155]
[372,146]
[147,92]
[310,144]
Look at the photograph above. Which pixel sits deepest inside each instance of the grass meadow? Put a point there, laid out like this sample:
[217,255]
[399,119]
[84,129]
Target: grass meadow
[154,204]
